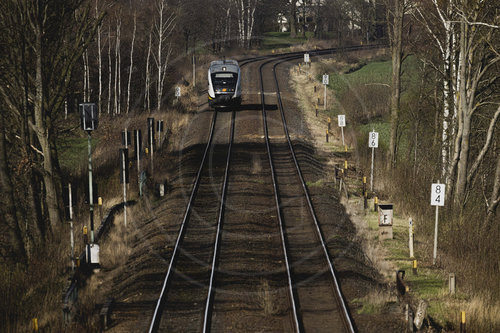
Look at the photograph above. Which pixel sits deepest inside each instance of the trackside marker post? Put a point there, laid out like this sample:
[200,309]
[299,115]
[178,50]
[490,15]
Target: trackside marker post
[462,321]
[410,236]
[372,143]
[325,83]
[341,120]
[72,237]
[437,199]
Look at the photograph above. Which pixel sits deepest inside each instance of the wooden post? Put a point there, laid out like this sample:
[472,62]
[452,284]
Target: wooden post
[365,197]
[451,283]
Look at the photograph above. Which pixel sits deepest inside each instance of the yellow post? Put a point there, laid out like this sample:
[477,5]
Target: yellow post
[327,135]
[329,121]
[85,235]
[414,267]
[375,204]
[345,164]
[462,321]
[364,179]
[146,150]
[35,324]
[99,201]
[345,148]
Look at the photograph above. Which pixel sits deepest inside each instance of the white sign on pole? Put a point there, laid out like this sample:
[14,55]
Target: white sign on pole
[437,194]
[373,140]
[306,57]
[325,79]
[341,118]
[177,91]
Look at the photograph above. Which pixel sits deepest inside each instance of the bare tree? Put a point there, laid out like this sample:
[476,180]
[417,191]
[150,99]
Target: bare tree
[147,88]
[164,26]
[131,68]
[395,16]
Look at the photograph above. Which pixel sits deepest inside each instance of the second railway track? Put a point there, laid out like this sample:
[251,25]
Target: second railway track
[273,271]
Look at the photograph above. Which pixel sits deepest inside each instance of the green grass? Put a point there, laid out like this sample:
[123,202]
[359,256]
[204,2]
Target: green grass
[378,72]
[73,152]
[277,40]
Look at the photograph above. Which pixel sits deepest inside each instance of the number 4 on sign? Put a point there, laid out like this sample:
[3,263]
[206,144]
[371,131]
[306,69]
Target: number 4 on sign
[437,194]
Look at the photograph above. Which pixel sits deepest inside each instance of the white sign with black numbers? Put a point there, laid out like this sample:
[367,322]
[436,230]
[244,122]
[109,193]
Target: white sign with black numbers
[341,118]
[306,57]
[373,140]
[177,91]
[437,194]
[325,79]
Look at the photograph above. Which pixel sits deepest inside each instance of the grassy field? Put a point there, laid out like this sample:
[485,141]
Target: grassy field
[280,40]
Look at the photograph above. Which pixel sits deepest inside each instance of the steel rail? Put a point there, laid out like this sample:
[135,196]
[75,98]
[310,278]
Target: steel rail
[208,305]
[293,297]
[155,322]
[161,299]
[340,299]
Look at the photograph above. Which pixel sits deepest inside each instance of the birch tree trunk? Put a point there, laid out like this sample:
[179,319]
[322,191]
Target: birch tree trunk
[131,68]
[164,28]
[109,69]
[147,94]
[99,60]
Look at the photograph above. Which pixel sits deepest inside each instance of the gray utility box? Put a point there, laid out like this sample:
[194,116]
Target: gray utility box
[385,221]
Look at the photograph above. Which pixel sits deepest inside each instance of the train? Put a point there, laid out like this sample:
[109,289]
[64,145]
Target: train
[224,83]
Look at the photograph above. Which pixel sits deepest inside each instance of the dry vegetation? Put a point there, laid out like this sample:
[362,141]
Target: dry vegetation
[463,248]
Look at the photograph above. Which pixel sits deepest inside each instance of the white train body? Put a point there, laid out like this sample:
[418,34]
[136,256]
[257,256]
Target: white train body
[224,83]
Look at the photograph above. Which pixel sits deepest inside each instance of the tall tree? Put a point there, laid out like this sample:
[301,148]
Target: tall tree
[55,35]
[164,26]
[395,17]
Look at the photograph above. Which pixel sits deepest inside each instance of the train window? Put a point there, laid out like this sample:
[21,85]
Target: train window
[224,75]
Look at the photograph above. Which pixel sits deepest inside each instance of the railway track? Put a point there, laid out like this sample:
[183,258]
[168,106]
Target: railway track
[313,275]
[212,272]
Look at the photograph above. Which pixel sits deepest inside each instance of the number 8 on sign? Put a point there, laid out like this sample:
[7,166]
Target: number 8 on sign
[373,140]
[437,194]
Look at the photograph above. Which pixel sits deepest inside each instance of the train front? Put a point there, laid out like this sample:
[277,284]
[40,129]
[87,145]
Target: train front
[224,87]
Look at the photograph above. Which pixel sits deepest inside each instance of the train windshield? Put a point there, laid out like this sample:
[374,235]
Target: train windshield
[224,79]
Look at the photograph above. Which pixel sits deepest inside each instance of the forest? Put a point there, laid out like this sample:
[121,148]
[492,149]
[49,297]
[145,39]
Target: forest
[127,55]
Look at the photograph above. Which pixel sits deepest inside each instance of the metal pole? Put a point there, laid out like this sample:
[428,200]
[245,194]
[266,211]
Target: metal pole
[138,153]
[151,133]
[342,129]
[91,194]
[325,97]
[371,175]
[72,237]
[194,71]
[124,188]
[434,255]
